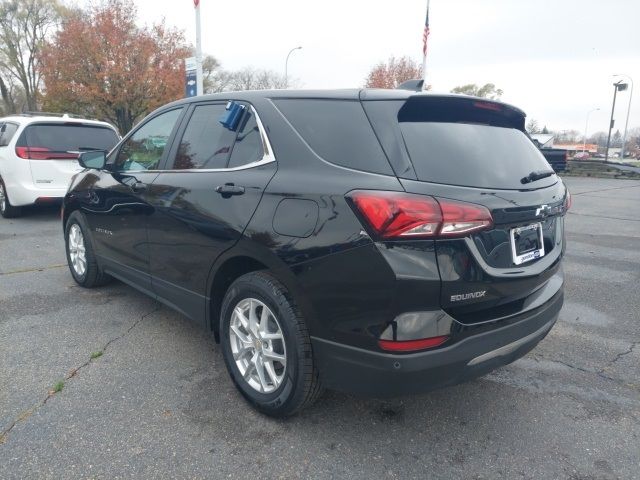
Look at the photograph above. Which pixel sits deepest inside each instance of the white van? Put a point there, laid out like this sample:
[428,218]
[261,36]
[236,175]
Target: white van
[39,155]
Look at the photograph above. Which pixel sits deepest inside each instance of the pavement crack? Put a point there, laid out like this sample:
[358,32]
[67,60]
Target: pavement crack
[605,216]
[606,189]
[632,346]
[33,269]
[71,374]
[599,373]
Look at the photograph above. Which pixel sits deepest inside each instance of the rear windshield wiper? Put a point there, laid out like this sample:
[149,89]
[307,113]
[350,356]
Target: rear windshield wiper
[533,176]
[89,149]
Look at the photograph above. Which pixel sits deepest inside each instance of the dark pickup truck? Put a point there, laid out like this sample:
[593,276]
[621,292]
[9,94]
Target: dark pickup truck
[557,157]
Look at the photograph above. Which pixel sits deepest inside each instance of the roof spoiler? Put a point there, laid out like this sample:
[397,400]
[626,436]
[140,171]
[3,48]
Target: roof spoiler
[414,85]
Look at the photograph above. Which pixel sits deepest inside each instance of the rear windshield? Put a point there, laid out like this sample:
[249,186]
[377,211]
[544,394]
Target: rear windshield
[68,137]
[466,145]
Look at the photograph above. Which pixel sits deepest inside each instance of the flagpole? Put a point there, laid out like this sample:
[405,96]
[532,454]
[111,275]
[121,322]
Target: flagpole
[425,75]
[199,83]
[424,72]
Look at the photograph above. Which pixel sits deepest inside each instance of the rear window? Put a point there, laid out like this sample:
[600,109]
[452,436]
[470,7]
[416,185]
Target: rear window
[469,144]
[337,131]
[68,137]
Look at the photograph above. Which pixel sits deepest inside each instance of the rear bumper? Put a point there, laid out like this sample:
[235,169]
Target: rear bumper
[21,195]
[378,374]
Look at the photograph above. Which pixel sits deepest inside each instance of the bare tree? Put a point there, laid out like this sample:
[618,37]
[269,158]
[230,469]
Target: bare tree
[24,26]
[532,126]
[488,90]
[214,78]
[255,79]
[217,79]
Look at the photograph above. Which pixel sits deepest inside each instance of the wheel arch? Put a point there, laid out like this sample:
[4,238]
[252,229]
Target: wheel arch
[239,261]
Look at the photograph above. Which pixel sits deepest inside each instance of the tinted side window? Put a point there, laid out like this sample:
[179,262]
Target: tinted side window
[144,149]
[248,147]
[10,130]
[338,131]
[205,143]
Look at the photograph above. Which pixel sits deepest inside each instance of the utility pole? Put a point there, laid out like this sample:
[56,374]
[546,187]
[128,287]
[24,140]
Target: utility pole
[626,123]
[199,83]
[619,85]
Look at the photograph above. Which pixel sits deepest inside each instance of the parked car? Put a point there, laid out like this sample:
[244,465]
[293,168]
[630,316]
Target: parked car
[581,156]
[376,242]
[39,155]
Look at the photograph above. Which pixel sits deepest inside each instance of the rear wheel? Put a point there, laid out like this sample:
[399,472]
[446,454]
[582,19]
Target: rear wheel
[266,346]
[80,256]
[6,209]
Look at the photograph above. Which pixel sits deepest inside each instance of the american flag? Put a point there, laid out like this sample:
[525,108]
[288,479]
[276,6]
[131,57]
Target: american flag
[425,33]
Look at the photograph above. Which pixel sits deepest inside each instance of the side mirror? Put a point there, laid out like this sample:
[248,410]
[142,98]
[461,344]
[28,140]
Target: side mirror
[95,159]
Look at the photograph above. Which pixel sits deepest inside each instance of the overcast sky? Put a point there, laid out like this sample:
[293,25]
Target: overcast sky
[555,59]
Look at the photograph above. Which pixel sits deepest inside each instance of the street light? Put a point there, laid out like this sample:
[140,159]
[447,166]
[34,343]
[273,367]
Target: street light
[286,66]
[626,124]
[619,85]
[586,126]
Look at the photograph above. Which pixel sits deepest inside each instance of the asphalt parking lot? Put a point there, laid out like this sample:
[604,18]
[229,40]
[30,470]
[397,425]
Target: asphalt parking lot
[158,402]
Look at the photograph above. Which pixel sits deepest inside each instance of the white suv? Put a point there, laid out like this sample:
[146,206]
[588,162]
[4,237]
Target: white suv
[39,155]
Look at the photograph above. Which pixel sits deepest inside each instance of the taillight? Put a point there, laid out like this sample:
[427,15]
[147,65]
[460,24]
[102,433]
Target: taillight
[405,215]
[460,218]
[43,153]
[412,345]
[488,106]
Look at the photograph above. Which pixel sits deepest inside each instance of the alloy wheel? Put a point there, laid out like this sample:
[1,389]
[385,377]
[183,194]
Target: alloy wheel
[258,346]
[77,251]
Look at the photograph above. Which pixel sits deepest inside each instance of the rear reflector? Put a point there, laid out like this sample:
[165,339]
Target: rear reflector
[43,153]
[412,345]
[405,215]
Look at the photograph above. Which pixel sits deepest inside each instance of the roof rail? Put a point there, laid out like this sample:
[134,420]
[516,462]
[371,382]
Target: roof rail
[49,114]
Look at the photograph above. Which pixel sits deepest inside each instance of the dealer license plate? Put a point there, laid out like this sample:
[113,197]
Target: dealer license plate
[527,243]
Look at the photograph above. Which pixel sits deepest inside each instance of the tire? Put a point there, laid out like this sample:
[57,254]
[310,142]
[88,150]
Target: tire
[78,244]
[299,384]
[6,209]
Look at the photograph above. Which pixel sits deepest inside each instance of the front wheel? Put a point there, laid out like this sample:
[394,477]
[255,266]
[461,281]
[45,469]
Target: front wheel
[266,346]
[80,255]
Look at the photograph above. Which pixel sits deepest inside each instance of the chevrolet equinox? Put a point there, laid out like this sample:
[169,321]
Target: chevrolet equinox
[376,242]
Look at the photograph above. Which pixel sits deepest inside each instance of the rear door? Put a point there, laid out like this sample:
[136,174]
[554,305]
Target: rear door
[52,149]
[477,152]
[203,200]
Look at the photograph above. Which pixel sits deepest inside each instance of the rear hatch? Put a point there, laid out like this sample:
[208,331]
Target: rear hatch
[52,149]
[475,151]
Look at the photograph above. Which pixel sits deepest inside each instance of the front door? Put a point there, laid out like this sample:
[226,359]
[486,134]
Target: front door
[203,201]
[117,206]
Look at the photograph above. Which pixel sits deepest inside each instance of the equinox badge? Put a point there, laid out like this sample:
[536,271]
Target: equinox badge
[468,296]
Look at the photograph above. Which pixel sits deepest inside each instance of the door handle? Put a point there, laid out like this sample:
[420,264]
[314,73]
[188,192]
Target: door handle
[138,187]
[229,189]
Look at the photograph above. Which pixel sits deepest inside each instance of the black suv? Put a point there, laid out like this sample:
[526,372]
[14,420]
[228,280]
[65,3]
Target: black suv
[378,242]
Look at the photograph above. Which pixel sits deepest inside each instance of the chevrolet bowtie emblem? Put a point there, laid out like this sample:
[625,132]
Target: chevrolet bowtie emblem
[543,211]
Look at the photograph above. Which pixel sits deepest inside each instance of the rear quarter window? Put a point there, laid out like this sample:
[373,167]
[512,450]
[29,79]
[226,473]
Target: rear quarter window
[338,131]
[8,130]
